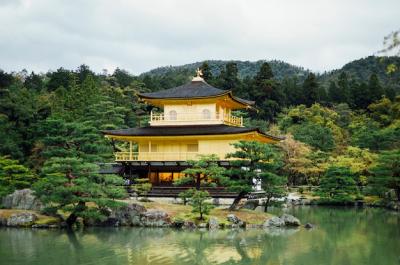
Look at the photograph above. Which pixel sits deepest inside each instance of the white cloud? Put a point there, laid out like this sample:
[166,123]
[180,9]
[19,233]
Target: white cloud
[140,35]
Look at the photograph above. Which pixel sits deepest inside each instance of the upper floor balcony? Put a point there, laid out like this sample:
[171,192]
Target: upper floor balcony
[155,156]
[202,118]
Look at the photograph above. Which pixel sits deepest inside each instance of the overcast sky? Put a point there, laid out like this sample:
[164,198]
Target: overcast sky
[43,35]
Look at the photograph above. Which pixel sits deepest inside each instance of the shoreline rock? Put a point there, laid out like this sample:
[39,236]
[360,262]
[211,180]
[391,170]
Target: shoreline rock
[23,219]
[22,200]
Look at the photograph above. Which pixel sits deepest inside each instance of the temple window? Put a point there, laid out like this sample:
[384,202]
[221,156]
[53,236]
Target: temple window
[206,114]
[173,115]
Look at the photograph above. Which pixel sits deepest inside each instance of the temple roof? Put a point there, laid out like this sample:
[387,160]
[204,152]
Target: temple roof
[185,130]
[194,89]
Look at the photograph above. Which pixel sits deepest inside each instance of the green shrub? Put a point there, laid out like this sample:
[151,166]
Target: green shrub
[199,204]
[186,195]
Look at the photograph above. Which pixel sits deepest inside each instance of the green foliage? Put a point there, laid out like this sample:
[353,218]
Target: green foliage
[337,186]
[186,195]
[386,174]
[315,135]
[14,176]
[61,114]
[69,183]
[204,171]
[142,186]
[254,162]
[310,90]
[199,203]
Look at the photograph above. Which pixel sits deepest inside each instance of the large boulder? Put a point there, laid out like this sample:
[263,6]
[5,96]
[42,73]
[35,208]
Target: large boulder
[155,218]
[274,222]
[290,220]
[236,222]
[129,215]
[233,218]
[22,199]
[22,219]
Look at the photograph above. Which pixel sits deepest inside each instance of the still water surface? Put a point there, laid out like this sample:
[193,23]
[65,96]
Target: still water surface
[342,236]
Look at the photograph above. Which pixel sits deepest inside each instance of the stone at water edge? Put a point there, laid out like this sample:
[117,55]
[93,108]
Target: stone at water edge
[202,225]
[155,218]
[236,222]
[233,218]
[22,219]
[274,222]
[189,225]
[213,223]
[128,215]
[22,199]
[309,225]
[290,220]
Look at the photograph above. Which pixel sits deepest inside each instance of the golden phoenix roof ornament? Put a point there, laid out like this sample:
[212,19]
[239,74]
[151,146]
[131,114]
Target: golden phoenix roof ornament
[198,76]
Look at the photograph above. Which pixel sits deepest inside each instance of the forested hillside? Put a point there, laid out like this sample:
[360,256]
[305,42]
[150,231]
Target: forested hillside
[51,120]
[359,69]
[245,68]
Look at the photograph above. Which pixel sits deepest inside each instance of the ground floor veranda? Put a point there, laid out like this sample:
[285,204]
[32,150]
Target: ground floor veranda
[161,175]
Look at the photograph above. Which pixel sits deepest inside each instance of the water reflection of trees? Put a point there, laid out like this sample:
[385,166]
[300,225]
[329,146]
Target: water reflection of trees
[342,236]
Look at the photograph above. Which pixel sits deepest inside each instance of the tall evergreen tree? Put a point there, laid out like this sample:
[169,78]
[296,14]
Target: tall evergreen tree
[207,74]
[386,175]
[375,88]
[267,93]
[340,92]
[310,90]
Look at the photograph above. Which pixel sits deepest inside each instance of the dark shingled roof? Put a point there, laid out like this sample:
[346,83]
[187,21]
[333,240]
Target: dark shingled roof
[184,130]
[194,89]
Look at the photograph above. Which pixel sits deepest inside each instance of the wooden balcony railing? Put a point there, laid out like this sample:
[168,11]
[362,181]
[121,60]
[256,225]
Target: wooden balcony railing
[197,118]
[155,156]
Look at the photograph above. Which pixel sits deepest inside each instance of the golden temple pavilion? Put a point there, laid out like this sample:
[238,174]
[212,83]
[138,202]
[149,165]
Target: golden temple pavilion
[196,119]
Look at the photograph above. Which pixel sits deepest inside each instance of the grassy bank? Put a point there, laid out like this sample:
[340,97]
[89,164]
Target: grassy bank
[179,211]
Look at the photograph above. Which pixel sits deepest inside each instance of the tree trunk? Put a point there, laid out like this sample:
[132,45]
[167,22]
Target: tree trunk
[198,182]
[237,200]
[266,204]
[73,216]
[397,191]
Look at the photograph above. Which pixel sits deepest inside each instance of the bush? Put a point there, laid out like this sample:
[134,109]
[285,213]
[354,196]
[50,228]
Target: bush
[142,186]
[50,211]
[301,190]
[186,195]
[197,199]
[199,204]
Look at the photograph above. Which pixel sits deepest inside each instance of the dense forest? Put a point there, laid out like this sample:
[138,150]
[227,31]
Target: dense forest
[339,127]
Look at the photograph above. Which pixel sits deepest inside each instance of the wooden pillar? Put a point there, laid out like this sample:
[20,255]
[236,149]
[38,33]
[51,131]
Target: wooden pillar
[150,151]
[130,150]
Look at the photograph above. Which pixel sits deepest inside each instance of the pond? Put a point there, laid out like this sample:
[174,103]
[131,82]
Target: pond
[342,236]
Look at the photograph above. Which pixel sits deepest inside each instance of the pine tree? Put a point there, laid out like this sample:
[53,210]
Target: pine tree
[376,90]
[254,162]
[69,183]
[199,203]
[386,175]
[207,74]
[204,171]
[267,93]
[359,95]
[337,186]
[310,90]
[14,176]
